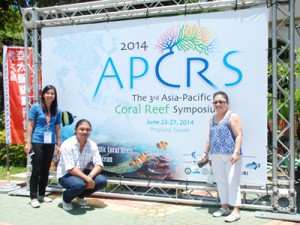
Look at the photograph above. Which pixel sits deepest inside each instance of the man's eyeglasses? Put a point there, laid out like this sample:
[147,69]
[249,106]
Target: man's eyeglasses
[219,101]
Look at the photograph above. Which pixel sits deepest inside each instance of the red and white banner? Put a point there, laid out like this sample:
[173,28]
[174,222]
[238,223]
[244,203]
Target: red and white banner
[14,83]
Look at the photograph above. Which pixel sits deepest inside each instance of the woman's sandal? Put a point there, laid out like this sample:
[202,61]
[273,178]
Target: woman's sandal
[232,217]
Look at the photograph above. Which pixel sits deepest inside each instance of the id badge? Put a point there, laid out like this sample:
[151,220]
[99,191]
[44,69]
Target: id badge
[48,137]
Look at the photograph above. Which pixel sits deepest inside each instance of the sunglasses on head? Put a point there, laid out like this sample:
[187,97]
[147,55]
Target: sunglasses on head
[219,101]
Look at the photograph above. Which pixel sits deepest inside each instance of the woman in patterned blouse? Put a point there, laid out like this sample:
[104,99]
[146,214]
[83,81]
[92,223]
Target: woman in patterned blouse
[223,148]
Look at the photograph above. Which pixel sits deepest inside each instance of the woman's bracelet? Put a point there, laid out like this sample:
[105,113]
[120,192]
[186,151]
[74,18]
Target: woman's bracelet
[206,153]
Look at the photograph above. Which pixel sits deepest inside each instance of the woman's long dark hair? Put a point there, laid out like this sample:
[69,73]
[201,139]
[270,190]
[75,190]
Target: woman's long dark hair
[53,108]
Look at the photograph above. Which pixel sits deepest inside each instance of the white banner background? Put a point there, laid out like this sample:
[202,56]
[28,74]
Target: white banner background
[92,65]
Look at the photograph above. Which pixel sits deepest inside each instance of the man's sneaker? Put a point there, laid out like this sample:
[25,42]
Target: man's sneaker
[221,212]
[81,201]
[232,217]
[44,199]
[66,206]
[35,203]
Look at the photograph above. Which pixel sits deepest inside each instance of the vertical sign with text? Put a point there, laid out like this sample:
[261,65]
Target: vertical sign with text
[14,81]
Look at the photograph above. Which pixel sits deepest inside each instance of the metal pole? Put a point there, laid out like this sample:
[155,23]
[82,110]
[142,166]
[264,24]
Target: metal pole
[274,95]
[292,93]
[35,82]
[28,166]
[35,44]
[7,163]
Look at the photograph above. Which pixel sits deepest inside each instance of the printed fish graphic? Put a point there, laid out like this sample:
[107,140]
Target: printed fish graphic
[162,145]
[253,165]
[139,160]
[67,118]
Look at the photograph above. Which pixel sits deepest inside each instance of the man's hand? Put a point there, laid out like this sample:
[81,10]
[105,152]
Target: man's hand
[90,184]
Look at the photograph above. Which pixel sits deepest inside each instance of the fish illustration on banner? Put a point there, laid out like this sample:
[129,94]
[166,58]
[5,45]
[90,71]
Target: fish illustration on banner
[162,145]
[253,165]
[67,118]
[139,160]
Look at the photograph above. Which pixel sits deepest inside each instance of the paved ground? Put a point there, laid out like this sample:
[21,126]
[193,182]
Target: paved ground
[16,210]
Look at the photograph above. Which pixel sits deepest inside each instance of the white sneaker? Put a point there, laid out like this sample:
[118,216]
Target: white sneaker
[66,206]
[81,201]
[221,212]
[35,203]
[44,199]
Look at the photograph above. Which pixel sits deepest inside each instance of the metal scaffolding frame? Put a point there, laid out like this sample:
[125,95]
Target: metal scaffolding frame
[184,192]
[278,196]
[287,194]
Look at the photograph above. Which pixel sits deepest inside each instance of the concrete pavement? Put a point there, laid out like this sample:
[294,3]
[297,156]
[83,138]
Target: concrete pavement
[16,210]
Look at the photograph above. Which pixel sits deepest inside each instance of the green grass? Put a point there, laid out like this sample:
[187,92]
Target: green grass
[13,170]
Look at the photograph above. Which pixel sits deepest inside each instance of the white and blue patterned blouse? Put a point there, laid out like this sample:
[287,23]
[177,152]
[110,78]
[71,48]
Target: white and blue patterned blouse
[222,138]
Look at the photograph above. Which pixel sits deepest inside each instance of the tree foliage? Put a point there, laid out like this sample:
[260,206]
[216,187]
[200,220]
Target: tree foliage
[11,33]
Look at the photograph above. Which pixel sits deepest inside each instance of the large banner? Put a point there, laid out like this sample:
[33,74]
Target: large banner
[14,86]
[146,85]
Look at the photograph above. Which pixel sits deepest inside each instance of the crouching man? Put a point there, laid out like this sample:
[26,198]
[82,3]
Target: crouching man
[79,167]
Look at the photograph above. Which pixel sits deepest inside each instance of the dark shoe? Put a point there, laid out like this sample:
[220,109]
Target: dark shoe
[221,212]
[44,199]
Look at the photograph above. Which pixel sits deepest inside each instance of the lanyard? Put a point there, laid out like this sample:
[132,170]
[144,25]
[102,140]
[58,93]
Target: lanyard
[48,117]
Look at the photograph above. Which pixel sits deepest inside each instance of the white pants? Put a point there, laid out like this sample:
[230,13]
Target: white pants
[227,177]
